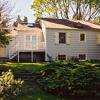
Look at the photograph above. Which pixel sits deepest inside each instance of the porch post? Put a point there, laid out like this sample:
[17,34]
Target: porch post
[32,56]
[18,57]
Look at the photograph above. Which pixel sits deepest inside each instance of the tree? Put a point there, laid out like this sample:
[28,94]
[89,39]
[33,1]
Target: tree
[65,9]
[5,19]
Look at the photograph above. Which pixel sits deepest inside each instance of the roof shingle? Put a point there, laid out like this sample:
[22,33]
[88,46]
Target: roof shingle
[69,24]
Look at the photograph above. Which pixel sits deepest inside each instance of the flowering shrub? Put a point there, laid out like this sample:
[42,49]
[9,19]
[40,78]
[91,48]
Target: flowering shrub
[9,87]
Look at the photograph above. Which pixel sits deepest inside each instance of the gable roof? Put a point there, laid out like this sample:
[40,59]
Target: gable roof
[69,24]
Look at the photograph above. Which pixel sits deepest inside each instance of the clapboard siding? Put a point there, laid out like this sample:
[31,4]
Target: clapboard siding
[89,47]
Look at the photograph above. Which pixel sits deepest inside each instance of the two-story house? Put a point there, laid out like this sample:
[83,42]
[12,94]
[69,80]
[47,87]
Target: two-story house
[56,39]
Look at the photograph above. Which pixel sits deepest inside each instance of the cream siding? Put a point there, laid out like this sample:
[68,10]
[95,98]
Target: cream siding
[89,47]
[68,38]
[56,37]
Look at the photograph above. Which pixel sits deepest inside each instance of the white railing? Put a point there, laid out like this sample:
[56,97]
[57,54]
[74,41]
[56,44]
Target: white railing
[15,48]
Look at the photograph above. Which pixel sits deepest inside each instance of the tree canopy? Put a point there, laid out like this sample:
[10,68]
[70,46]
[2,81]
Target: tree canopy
[5,18]
[66,9]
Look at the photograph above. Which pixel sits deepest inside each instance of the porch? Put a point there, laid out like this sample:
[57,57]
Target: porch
[27,53]
[29,56]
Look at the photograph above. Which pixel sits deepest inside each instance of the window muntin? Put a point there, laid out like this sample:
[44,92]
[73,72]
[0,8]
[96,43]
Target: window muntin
[82,56]
[61,57]
[62,38]
[82,37]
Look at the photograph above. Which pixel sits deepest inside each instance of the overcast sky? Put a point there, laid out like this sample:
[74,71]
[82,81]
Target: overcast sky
[23,8]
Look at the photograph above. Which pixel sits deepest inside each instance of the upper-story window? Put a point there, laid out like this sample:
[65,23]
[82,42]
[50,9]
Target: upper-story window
[33,41]
[62,38]
[82,37]
[28,40]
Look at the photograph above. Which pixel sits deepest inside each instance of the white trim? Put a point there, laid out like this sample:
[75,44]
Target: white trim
[79,37]
[82,54]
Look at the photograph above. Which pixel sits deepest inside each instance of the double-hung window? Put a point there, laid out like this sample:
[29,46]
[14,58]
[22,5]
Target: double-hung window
[82,37]
[33,41]
[62,38]
[28,38]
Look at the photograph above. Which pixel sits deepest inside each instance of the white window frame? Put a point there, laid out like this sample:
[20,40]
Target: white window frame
[33,45]
[62,55]
[64,37]
[80,37]
[83,54]
[30,41]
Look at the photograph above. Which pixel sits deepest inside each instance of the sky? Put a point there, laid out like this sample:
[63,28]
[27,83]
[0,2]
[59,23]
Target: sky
[23,8]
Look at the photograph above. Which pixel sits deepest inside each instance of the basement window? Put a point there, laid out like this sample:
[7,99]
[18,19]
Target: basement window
[82,56]
[61,57]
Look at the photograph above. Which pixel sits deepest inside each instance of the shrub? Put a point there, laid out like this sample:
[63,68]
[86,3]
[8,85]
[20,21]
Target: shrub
[55,80]
[9,87]
[86,81]
[73,59]
[71,79]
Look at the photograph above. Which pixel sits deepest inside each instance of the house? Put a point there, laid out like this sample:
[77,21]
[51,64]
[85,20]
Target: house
[54,39]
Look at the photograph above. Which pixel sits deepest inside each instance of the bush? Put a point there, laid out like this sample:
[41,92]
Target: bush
[73,59]
[70,79]
[86,81]
[9,87]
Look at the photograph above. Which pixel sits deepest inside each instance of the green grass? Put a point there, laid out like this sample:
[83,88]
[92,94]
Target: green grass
[33,92]
[33,67]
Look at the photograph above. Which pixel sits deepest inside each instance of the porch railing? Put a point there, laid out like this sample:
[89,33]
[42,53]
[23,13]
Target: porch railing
[14,48]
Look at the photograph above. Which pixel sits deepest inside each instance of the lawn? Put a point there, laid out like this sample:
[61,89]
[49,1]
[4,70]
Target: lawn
[33,67]
[30,90]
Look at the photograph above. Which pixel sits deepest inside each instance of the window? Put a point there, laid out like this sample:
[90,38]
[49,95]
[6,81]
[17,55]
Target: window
[62,38]
[82,37]
[61,57]
[33,41]
[82,56]
[28,41]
